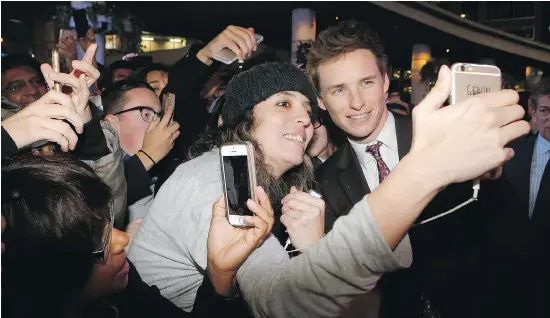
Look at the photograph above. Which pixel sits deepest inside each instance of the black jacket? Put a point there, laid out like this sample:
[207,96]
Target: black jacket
[449,254]
[141,300]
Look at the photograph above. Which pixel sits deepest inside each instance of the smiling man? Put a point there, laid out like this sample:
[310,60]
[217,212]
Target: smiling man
[22,83]
[349,68]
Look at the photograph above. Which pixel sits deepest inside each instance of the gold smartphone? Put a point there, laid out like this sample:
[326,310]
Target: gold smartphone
[239,180]
[56,67]
[473,79]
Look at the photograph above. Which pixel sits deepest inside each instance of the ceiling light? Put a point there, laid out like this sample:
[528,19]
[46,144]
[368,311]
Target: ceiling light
[463,15]
[147,38]
[175,40]
[448,50]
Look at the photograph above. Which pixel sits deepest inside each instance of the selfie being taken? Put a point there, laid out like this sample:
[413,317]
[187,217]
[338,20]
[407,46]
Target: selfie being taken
[338,160]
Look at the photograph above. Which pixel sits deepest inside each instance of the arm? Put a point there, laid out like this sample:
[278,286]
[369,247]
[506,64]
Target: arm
[351,257]
[189,75]
[140,299]
[347,262]
[186,79]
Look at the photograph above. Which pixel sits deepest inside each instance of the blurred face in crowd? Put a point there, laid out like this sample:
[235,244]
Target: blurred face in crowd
[282,127]
[22,85]
[121,74]
[395,95]
[319,142]
[541,116]
[157,80]
[110,276]
[131,125]
[353,91]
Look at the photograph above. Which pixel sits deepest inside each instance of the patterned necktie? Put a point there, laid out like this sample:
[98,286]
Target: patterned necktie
[383,169]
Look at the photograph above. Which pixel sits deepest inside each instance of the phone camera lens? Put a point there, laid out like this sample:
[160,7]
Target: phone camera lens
[462,68]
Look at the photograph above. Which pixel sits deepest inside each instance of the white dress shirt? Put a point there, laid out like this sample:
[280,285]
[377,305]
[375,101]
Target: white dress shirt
[388,151]
[541,156]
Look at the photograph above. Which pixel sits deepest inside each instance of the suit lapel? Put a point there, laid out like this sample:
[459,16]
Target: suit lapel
[403,132]
[525,157]
[541,213]
[351,178]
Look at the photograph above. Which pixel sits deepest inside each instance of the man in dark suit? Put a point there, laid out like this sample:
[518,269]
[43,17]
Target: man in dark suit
[529,174]
[349,68]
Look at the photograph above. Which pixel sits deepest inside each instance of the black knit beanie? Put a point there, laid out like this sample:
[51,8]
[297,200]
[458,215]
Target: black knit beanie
[259,83]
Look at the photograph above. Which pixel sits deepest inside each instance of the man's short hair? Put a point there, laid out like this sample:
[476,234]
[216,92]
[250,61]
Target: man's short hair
[19,60]
[114,96]
[106,77]
[541,89]
[345,37]
[56,209]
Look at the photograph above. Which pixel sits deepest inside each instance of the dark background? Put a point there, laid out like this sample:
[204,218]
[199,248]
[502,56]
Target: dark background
[203,20]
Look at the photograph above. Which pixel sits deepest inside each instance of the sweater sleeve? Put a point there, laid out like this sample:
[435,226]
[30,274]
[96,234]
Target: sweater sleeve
[186,80]
[323,281]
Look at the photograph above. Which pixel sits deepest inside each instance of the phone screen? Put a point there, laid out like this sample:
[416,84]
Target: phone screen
[237,184]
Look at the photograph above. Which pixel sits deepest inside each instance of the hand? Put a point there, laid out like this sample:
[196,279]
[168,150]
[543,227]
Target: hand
[43,119]
[160,137]
[88,40]
[67,50]
[239,40]
[229,246]
[79,89]
[304,218]
[87,76]
[463,141]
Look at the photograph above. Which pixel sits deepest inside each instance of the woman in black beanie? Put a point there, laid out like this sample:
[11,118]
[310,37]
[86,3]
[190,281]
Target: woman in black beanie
[271,105]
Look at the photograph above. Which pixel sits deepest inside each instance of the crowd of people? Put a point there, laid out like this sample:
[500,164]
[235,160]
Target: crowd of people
[113,204]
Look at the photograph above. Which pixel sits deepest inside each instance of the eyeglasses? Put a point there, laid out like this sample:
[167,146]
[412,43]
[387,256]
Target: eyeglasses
[147,113]
[20,85]
[102,254]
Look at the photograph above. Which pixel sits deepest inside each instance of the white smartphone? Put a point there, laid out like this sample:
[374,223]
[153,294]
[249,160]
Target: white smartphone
[239,181]
[226,56]
[472,79]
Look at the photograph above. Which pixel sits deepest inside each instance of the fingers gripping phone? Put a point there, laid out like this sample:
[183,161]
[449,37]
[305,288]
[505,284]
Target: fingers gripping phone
[226,56]
[239,181]
[473,79]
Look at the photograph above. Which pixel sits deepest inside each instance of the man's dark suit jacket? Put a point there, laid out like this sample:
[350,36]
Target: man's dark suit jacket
[450,254]
[535,256]
[518,172]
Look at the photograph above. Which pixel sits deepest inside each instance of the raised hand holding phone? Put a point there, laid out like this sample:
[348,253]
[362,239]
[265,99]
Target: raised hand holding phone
[230,246]
[240,42]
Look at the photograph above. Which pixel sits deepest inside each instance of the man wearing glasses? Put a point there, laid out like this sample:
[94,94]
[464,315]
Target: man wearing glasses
[22,83]
[146,133]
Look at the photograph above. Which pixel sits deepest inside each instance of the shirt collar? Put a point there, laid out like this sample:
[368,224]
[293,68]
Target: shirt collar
[543,145]
[387,136]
